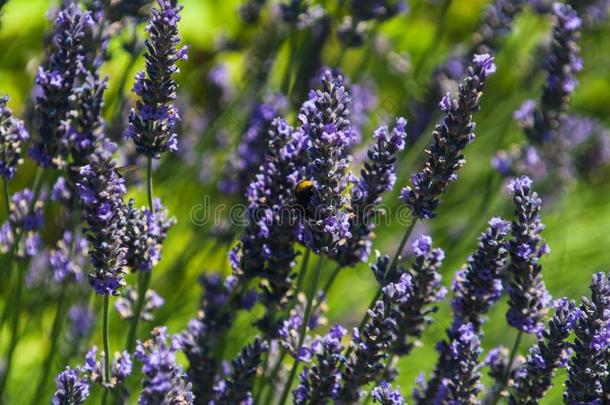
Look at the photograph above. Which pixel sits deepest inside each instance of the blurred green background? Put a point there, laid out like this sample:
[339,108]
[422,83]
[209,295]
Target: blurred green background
[578,220]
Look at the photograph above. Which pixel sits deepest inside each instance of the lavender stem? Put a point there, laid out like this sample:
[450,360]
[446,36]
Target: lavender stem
[143,277]
[106,345]
[6,196]
[16,305]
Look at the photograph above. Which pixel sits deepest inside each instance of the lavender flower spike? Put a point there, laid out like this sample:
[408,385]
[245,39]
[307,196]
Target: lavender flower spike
[377,177]
[100,190]
[385,395]
[72,389]
[534,377]
[321,381]
[236,388]
[414,312]
[528,297]
[154,118]
[451,136]
[462,369]
[371,344]
[325,121]
[478,285]
[12,136]
[56,80]
[164,381]
[588,368]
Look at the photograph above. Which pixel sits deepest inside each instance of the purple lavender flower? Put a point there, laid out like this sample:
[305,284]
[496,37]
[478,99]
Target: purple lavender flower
[12,136]
[68,258]
[457,372]
[236,387]
[414,312]
[588,368]
[215,316]
[534,377]
[377,177]
[250,10]
[145,233]
[385,395]
[371,344]
[85,130]
[451,136]
[541,124]
[478,285]
[121,367]
[126,304]
[62,191]
[325,121]
[244,163]
[528,297]
[164,381]
[594,12]
[100,190]
[154,117]
[25,220]
[80,323]
[56,80]
[321,381]
[266,249]
[72,388]
[497,23]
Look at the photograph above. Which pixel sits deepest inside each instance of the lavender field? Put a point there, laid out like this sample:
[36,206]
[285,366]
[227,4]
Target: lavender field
[305,201]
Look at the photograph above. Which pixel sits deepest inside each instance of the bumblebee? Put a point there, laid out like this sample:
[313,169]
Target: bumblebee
[303,193]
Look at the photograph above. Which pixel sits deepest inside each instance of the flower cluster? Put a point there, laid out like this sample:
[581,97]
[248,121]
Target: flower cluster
[376,177]
[414,312]
[542,123]
[20,231]
[12,136]
[478,285]
[56,81]
[164,382]
[322,381]
[385,395]
[67,259]
[370,345]
[528,297]
[451,136]
[588,368]
[250,152]
[236,387]
[154,118]
[325,122]
[101,190]
[72,388]
[535,376]
[126,304]
[497,23]
[145,232]
[120,368]
[266,249]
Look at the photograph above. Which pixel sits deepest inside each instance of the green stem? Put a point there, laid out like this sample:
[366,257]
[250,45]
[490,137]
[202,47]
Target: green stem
[143,277]
[55,331]
[511,360]
[286,80]
[328,285]
[308,310]
[106,313]
[7,198]
[14,327]
[149,184]
[439,32]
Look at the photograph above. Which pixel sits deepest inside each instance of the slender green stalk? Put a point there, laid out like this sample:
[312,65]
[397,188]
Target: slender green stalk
[302,272]
[308,311]
[7,198]
[14,326]
[287,79]
[55,331]
[106,313]
[438,35]
[511,360]
[328,285]
[143,277]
